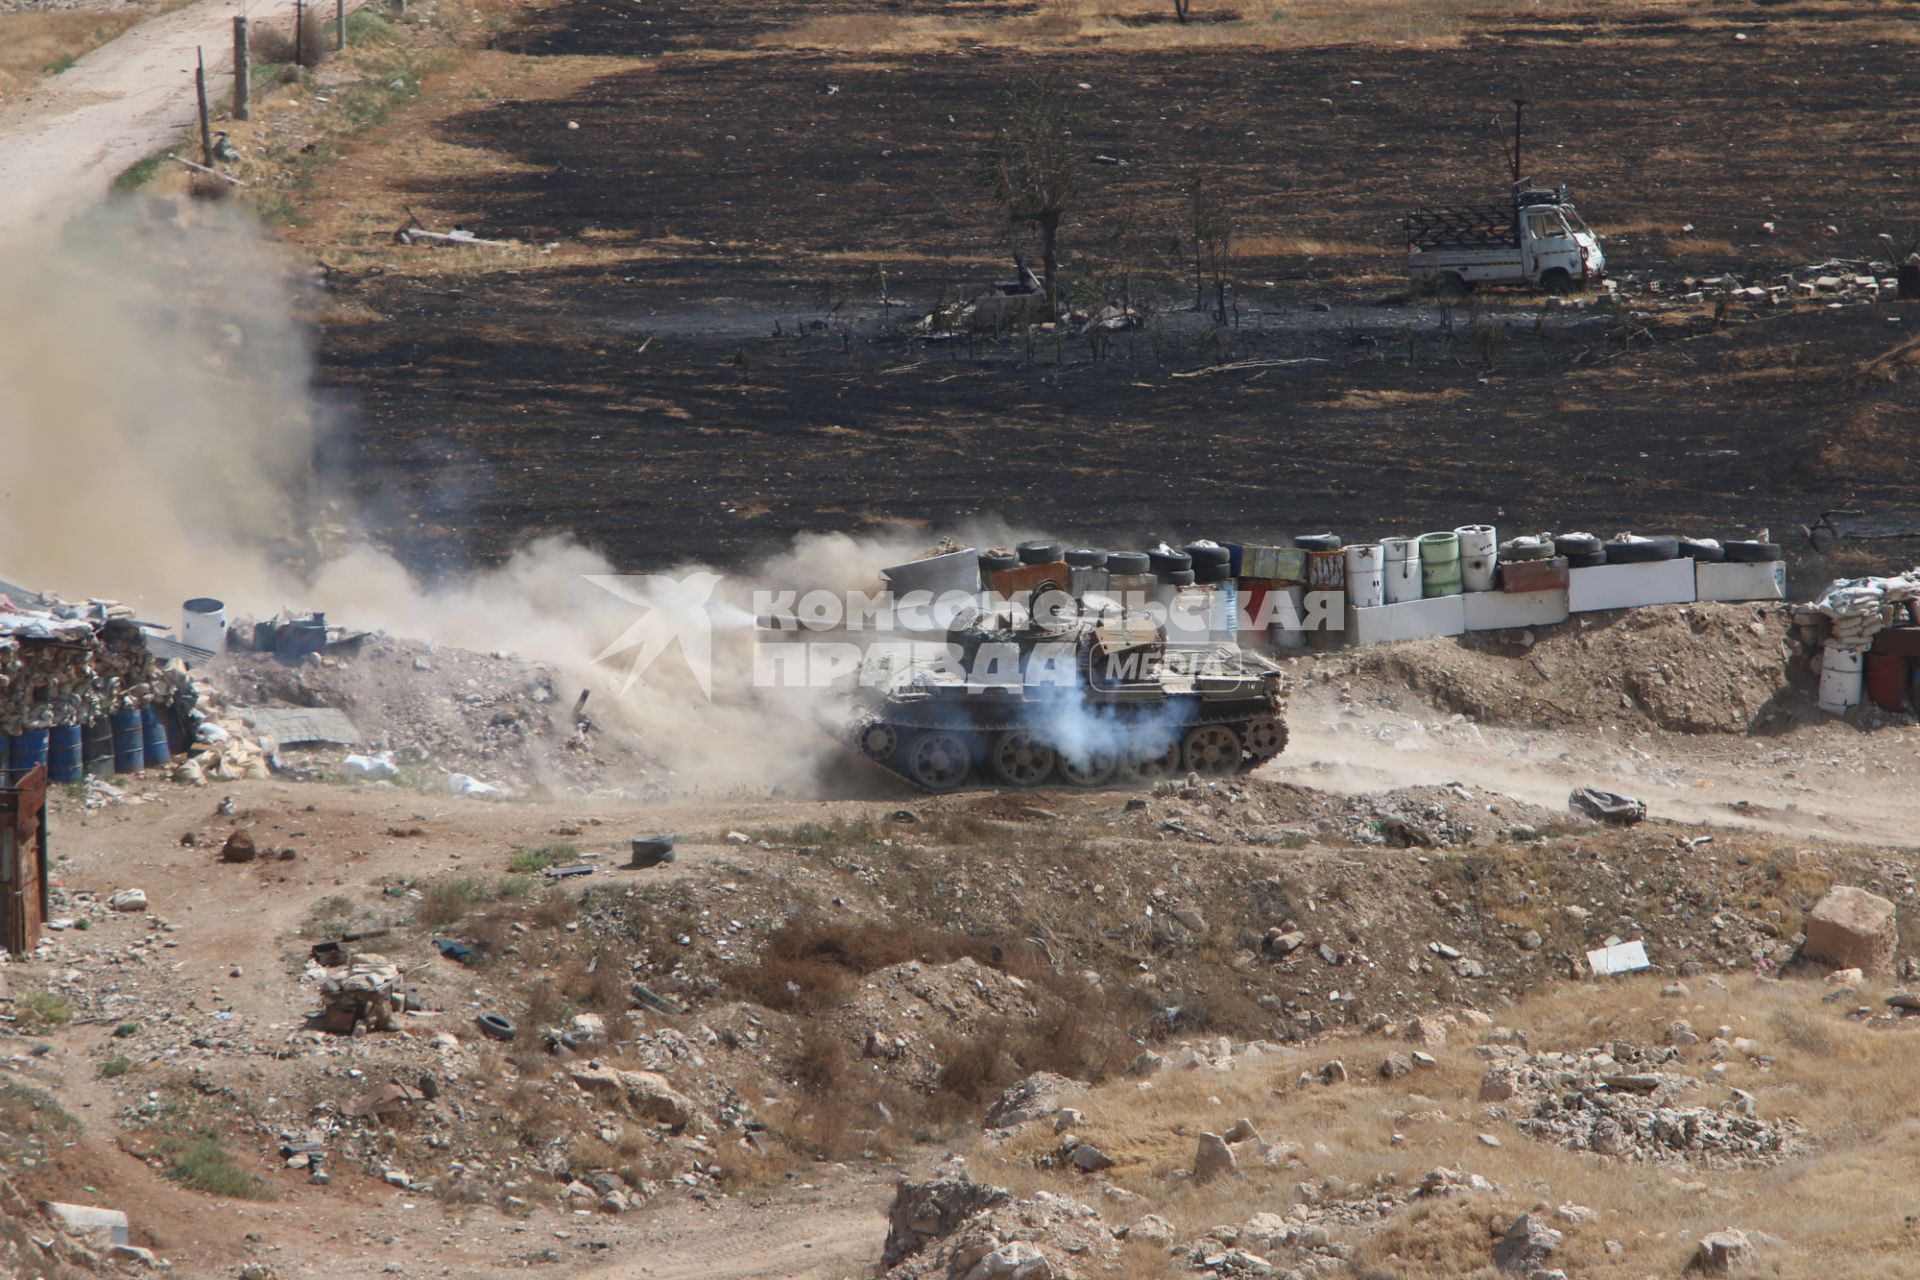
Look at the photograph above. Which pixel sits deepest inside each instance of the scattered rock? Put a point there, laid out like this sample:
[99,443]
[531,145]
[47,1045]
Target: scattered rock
[1720,1253]
[1213,1158]
[1850,928]
[1528,1243]
[128,900]
[1034,1098]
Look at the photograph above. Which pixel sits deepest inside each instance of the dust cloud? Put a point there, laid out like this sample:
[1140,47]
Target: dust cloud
[158,427]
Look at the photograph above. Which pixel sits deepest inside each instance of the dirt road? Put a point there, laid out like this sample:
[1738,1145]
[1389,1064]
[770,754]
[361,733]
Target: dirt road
[63,145]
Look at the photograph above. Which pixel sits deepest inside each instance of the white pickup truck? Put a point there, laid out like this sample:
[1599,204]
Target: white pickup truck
[1536,238]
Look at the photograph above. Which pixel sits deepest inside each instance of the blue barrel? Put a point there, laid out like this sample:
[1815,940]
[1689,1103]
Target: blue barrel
[27,751]
[295,640]
[129,743]
[98,737]
[66,755]
[153,733]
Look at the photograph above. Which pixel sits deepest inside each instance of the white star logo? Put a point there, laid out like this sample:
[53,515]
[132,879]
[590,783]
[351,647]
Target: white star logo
[675,610]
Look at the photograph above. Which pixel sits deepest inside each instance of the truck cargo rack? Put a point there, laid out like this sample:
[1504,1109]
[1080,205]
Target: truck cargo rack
[1463,226]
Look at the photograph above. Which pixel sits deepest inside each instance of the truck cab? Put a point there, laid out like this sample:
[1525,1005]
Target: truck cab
[1536,239]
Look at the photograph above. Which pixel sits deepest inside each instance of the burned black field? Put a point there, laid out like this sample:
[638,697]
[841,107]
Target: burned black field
[720,371]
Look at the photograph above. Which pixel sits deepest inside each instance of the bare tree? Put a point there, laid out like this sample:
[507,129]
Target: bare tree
[1210,241]
[1030,168]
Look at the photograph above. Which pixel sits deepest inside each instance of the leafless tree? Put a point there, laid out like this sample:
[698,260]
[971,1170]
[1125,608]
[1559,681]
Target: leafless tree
[1030,167]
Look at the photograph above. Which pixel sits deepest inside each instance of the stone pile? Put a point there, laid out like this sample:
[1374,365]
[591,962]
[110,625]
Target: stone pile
[66,671]
[361,992]
[1617,1101]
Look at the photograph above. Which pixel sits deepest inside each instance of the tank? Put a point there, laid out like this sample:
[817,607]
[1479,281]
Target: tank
[1086,703]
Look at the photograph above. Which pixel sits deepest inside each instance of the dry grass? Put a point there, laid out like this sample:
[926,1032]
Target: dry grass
[1846,1082]
[45,42]
[1132,25]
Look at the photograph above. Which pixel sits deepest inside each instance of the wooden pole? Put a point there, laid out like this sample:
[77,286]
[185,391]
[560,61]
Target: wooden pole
[206,126]
[299,30]
[242,71]
[339,24]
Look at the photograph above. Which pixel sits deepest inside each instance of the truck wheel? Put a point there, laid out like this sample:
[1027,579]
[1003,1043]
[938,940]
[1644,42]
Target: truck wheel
[1556,282]
[1139,766]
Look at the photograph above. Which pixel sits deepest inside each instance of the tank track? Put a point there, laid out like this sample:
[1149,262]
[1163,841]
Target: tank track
[1236,715]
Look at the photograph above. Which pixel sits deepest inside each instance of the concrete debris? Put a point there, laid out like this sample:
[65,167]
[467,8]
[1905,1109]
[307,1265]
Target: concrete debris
[1850,928]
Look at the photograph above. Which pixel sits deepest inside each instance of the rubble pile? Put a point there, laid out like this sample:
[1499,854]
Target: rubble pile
[954,1228]
[1619,1101]
[902,1010]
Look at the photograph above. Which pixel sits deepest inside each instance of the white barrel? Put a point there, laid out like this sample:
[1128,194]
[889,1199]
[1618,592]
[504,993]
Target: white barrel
[1478,549]
[203,624]
[1840,678]
[1366,582]
[1476,540]
[1392,549]
[1287,629]
[1402,580]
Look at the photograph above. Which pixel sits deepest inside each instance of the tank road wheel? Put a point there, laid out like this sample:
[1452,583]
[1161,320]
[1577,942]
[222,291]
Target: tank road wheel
[1138,766]
[1211,750]
[1019,760]
[878,740]
[1095,769]
[1265,736]
[938,760]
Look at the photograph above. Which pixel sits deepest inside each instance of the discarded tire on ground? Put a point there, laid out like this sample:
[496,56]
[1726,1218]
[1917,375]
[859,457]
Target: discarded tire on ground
[495,1027]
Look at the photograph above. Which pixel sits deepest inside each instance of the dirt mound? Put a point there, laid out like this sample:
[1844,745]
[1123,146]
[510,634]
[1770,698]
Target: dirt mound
[1697,668]
[910,1010]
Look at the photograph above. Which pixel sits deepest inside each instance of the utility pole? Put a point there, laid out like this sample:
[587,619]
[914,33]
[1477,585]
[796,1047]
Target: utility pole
[299,31]
[242,71]
[339,25]
[206,127]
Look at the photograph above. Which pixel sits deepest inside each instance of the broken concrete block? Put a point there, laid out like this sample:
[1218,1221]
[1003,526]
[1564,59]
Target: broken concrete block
[101,1226]
[1850,928]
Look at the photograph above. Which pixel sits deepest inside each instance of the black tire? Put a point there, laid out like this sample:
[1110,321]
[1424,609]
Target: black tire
[998,561]
[1202,554]
[1593,561]
[1128,563]
[495,1027]
[1753,552]
[1085,558]
[1579,544]
[1212,573]
[1520,553]
[1038,552]
[1177,577]
[1645,551]
[1317,541]
[1706,552]
[1556,283]
[1167,561]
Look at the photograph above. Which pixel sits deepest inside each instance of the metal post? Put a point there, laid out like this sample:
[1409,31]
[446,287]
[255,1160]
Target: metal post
[242,71]
[206,127]
[1518,105]
[339,24]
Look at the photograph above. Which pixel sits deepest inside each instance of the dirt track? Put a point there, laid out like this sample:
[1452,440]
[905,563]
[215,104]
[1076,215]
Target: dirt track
[63,144]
